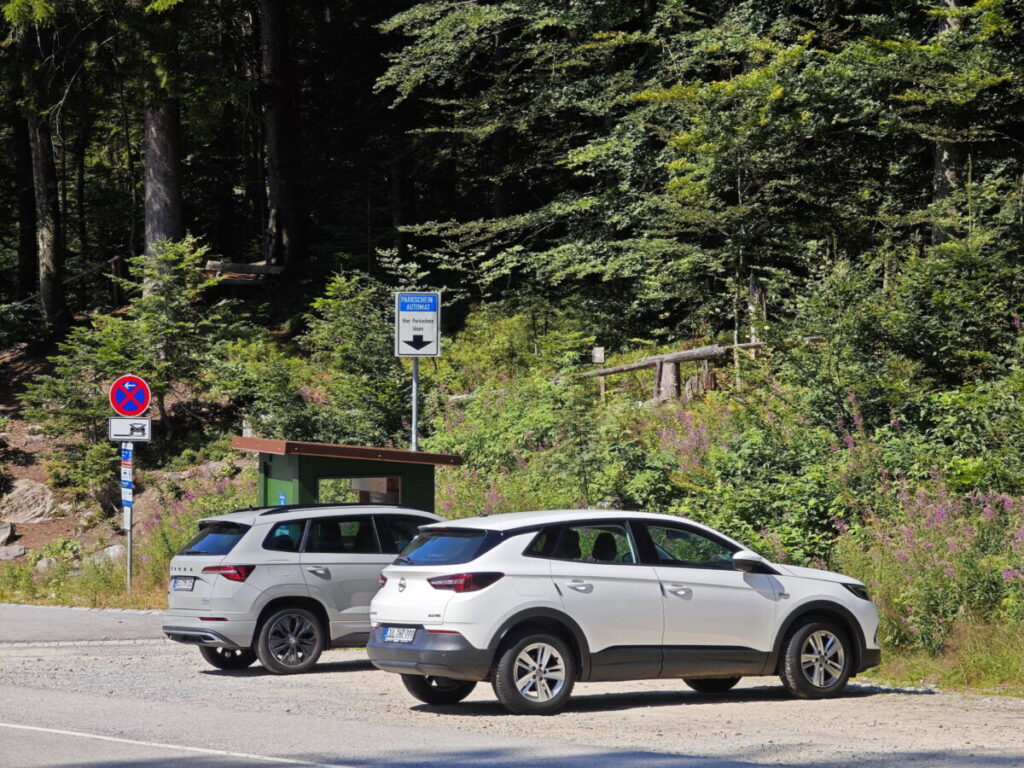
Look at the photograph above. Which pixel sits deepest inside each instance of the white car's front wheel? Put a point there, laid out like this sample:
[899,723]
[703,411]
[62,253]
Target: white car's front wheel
[535,675]
[816,660]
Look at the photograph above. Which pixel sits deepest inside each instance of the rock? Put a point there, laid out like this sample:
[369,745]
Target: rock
[46,563]
[11,552]
[34,429]
[6,533]
[27,502]
[115,552]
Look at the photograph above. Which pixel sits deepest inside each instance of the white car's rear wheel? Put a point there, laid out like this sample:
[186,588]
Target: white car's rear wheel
[535,675]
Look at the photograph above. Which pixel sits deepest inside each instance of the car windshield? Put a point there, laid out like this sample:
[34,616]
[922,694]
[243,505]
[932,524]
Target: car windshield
[215,539]
[447,547]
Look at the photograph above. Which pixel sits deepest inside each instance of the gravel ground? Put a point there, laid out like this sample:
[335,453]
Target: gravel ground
[169,685]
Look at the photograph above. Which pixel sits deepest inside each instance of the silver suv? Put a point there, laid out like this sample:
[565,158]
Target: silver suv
[283,583]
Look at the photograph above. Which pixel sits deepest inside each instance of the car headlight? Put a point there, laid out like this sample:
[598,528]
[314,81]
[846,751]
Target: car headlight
[859,590]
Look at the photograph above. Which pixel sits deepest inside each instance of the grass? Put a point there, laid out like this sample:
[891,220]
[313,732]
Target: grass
[980,657]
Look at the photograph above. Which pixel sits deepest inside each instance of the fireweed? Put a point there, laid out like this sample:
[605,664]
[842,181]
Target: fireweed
[939,558]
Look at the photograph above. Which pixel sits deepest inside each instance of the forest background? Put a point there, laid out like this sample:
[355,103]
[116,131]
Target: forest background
[841,179]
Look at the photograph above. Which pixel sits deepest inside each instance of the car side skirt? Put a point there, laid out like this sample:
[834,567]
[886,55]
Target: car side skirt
[649,662]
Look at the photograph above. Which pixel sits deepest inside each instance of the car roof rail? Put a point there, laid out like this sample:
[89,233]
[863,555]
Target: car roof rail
[293,507]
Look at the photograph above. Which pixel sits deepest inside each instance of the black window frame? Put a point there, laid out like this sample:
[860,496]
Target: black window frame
[379,526]
[562,527]
[302,539]
[309,531]
[651,552]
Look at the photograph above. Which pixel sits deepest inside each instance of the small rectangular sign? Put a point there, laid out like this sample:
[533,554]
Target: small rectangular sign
[126,484]
[282,499]
[126,455]
[129,430]
[126,472]
[417,324]
[127,503]
[126,495]
[127,509]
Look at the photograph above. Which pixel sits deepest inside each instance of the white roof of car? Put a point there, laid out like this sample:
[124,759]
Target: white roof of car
[513,520]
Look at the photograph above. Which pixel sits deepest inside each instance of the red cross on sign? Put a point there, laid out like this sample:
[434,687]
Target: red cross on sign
[129,396]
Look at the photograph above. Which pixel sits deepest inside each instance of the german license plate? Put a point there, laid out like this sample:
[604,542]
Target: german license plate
[399,634]
[183,583]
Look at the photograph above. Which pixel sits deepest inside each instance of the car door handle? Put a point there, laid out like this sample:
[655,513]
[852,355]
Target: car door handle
[580,586]
[319,570]
[679,590]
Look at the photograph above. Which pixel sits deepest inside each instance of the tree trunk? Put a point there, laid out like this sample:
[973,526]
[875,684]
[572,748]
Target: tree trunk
[163,215]
[24,192]
[947,155]
[282,241]
[49,238]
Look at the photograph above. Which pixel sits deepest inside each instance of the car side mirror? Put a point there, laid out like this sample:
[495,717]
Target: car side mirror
[748,562]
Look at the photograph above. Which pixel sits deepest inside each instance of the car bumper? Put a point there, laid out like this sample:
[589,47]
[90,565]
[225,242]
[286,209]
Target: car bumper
[192,630]
[440,655]
[869,657]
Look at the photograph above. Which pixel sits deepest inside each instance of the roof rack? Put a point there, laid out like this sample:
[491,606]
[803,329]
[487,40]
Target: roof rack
[291,507]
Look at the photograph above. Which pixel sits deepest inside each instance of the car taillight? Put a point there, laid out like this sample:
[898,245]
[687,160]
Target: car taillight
[465,582]
[231,572]
[381,581]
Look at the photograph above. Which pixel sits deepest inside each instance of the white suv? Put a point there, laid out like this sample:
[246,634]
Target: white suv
[283,583]
[536,601]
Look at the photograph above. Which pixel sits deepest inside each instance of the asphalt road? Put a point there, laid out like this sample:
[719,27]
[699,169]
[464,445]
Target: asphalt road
[119,696]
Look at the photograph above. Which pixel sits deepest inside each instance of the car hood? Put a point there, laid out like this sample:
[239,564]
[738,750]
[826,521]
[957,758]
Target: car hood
[815,573]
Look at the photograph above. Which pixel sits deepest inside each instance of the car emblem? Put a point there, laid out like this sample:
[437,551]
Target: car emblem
[401,584]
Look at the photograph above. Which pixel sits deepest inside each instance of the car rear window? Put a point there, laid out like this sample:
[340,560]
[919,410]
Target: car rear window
[448,547]
[215,539]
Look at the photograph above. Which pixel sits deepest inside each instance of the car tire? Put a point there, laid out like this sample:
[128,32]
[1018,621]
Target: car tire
[290,641]
[711,684]
[438,690]
[546,664]
[228,658]
[817,660]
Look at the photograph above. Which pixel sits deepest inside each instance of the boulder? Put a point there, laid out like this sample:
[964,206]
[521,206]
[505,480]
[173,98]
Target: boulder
[6,533]
[11,552]
[46,563]
[116,552]
[27,502]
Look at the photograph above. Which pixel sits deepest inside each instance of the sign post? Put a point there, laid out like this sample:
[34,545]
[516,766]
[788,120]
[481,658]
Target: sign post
[129,397]
[417,334]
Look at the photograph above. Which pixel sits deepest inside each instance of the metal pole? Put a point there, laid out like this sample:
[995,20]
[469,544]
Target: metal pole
[415,442]
[128,521]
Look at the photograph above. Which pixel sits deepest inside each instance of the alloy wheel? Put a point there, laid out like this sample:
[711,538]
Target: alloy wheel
[822,658]
[292,639]
[539,672]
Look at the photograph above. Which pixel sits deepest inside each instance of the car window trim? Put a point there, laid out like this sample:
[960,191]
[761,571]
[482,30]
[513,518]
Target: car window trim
[652,552]
[302,539]
[373,525]
[562,527]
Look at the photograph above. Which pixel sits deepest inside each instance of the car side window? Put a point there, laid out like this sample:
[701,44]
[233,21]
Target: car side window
[681,546]
[597,543]
[396,532]
[343,535]
[285,536]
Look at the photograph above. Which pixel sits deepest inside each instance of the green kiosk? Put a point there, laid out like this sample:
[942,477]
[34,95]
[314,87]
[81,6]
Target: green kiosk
[294,472]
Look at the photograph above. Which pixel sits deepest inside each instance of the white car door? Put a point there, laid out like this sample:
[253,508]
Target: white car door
[615,601]
[713,613]
[341,563]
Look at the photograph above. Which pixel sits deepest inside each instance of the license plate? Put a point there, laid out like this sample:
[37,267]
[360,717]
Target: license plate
[183,583]
[399,634]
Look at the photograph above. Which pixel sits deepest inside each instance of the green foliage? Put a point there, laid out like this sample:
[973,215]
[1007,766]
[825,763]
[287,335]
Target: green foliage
[166,336]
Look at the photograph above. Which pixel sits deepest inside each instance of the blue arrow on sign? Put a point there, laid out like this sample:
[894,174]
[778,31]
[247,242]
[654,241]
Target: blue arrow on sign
[126,454]
[126,483]
[127,503]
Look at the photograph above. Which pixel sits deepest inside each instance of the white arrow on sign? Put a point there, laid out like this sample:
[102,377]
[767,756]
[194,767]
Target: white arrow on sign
[417,324]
